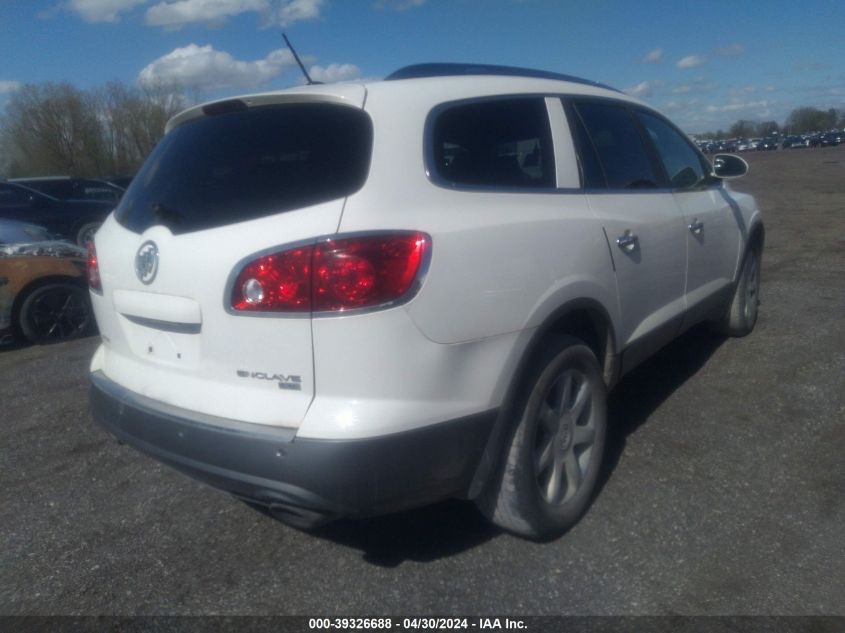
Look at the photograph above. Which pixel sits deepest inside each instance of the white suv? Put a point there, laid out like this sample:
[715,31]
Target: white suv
[352,299]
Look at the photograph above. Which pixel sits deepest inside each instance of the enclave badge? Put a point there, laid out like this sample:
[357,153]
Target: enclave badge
[146,262]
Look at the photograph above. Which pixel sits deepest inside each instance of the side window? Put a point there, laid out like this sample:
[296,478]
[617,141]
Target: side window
[682,163]
[619,146]
[592,175]
[11,197]
[58,189]
[502,143]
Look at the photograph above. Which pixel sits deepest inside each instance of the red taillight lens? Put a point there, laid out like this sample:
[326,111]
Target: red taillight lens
[332,276]
[366,271]
[280,282]
[94,282]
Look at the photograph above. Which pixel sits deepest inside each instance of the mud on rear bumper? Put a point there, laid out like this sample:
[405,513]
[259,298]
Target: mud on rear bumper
[304,481]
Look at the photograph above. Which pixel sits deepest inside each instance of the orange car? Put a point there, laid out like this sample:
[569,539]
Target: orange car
[43,290]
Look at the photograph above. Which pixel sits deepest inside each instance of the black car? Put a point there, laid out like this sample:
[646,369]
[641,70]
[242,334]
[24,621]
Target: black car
[121,181]
[766,144]
[794,142]
[67,188]
[76,220]
[831,139]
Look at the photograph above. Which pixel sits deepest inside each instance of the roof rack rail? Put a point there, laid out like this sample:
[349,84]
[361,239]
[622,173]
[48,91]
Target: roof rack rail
[418,71]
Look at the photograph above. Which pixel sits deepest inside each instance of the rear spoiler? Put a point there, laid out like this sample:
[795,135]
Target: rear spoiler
[354,95]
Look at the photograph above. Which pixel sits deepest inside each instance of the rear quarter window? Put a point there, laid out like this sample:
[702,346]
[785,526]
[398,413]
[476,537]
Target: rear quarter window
[500,143]
[249,163]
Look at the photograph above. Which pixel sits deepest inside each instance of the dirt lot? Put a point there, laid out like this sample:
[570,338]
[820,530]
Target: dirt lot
[723,493]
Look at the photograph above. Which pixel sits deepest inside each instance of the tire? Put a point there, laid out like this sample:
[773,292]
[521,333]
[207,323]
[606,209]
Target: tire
[554,454]
[55,312]
[741,316]
[86,233]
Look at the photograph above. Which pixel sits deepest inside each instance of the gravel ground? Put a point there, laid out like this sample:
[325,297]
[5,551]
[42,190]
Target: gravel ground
[723,492]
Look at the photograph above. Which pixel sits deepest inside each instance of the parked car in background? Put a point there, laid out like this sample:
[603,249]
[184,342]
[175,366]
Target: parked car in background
[76,220]
[830,139]
[121,181]
[708,147]
[813,140]
[768,144]
[729,146]
[794,142]
[352,299]
[43,295]
[67,188]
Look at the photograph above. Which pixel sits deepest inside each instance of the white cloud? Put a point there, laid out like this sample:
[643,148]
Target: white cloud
[681,89]
[297,10]
[177,13]
[642,89]
[398,5]
[691,61]
[100,10]
[7,87]
[731,50]
[653,57]
[334,73]
[180,12]
[733,107]
[203,68]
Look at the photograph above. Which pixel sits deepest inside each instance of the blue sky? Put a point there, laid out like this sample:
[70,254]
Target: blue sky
[704,64]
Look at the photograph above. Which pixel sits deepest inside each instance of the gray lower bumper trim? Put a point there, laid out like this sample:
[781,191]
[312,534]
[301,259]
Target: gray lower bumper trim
[270,466]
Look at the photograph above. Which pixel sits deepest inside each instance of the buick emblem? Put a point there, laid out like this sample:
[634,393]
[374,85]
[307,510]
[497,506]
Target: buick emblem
[146,262]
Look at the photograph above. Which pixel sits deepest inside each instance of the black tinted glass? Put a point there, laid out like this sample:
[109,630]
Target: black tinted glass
[13,197]
[592,176]
[502,143]
[681,161]
[619,146]
[250,163]
[62,189]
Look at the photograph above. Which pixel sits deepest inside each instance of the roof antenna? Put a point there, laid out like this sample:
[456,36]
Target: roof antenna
[298,61]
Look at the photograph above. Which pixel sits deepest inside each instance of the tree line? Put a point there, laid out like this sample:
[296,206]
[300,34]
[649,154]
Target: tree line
[800,121]
[59,129]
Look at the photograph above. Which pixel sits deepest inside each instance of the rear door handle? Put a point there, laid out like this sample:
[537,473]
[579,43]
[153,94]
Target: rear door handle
[627,241]
[696,227]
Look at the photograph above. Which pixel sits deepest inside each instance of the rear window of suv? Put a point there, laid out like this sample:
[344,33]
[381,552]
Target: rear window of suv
[249,163]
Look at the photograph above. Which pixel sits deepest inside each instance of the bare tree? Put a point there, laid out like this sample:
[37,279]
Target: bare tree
[768,128]
[53,128]
[59,129]
[802,120]
[743,129]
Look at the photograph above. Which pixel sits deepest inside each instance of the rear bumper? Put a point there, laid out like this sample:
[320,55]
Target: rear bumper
[306,481]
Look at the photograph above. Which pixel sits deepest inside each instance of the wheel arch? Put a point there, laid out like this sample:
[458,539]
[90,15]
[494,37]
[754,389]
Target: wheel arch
[757,236]
[35,284]
[77,228]
[585,319]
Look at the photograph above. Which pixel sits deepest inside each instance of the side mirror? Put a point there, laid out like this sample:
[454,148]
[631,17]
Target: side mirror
[729,166]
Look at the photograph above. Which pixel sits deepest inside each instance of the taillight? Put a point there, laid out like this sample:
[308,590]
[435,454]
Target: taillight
[280,282]
[93,267]
[333,276]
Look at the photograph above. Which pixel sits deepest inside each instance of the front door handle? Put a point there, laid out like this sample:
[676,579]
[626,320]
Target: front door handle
[627,241]
[696,227]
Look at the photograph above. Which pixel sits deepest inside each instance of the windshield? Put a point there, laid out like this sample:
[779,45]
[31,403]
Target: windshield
[249,163]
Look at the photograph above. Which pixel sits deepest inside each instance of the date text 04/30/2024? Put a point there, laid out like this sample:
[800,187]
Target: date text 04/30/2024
[416,623]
